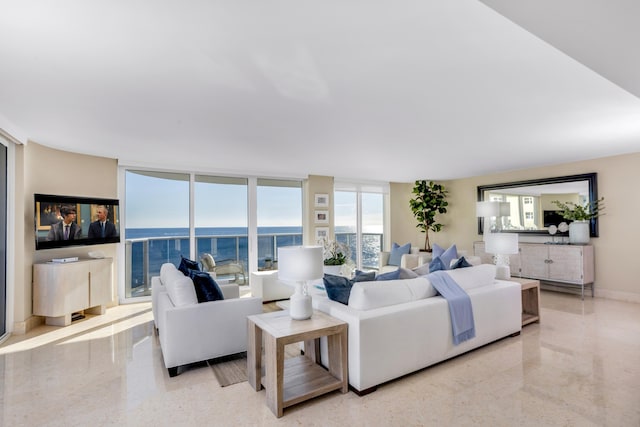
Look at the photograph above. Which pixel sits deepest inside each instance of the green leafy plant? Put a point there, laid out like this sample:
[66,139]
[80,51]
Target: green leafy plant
[575,212]
[335,253]
[429,200]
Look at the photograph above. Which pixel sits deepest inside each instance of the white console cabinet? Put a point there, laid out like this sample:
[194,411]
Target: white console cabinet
[562,264]
[60,289]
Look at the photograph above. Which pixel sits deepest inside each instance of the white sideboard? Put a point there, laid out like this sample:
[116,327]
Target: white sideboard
[61,289]
[562,264]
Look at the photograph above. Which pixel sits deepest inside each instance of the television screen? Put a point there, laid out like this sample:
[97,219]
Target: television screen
[74,221]
[553,218]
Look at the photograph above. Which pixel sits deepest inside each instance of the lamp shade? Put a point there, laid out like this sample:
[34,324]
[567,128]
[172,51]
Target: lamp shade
[487,209]
[300,263]
[501,243]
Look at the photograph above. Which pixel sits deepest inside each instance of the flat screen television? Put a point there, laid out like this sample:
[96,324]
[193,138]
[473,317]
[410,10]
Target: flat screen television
[553,218]
[62,221]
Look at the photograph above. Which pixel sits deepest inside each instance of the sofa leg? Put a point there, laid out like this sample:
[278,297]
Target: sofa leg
[365,391]
[515,334]
[173,371]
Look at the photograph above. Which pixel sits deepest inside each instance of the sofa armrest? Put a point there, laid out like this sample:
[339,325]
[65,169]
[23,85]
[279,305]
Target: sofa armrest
[383,259]
[204,331]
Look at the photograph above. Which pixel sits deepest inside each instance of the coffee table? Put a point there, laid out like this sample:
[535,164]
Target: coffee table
[294,380]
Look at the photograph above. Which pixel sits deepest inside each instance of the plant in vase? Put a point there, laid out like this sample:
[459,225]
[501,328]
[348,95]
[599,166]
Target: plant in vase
[580,215]
[430,199]
[336,256]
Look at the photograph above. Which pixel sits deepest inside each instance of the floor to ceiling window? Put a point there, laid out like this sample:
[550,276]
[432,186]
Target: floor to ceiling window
[220,206]
[279,218]
[157,226]
[359,221]
[236,222]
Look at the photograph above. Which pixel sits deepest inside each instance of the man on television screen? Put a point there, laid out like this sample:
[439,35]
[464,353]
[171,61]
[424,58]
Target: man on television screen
[67,229]
[102,228]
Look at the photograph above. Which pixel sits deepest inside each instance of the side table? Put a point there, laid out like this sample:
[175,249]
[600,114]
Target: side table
[294,380]
[530,299]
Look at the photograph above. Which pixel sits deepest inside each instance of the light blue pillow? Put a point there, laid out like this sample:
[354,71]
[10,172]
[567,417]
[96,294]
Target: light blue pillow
[445,256]
[396,253]
[392,275]
[436,264]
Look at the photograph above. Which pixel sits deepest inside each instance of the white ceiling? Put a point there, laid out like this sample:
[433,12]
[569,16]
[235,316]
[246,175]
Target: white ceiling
[383,90]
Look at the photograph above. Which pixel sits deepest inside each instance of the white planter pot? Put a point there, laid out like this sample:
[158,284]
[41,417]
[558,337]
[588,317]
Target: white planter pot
[579,232]
[332,269]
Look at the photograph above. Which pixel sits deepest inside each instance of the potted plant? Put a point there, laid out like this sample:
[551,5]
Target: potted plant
[429,200]
[336,255]
[580,215]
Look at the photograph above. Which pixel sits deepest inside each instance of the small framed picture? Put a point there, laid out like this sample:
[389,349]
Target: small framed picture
[321,217]
[322,201]
[321,233]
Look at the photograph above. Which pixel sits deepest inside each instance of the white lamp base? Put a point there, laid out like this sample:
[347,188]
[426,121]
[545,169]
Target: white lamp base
[300,307]
[503,272]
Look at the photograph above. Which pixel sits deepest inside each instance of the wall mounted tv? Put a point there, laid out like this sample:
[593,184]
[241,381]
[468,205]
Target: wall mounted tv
[63,221]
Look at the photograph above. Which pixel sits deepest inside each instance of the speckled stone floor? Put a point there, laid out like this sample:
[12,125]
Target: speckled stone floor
[579,367]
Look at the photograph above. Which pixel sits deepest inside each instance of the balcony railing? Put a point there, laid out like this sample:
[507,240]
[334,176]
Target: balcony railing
[145,256]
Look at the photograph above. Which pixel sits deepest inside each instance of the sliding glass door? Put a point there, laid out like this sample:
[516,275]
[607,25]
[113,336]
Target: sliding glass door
[3,240]
[359,221]
[238,223]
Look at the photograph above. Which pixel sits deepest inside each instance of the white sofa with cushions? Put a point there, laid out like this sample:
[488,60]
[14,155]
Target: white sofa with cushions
[400,326]
[192,332]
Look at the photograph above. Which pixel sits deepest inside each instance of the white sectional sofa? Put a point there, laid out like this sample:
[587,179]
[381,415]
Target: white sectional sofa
[192,332]
[397,327]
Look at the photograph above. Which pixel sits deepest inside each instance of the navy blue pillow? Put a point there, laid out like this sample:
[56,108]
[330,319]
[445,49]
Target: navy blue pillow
[392,275]
[338,288]
[186,265]
[206,288]
[364,276]
[436,264]
[461,263]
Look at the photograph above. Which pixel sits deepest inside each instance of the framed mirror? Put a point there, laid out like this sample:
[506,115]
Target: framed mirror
[530,209]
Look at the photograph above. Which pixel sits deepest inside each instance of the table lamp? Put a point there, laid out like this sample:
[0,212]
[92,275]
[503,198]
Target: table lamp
[501,245]
[300,264]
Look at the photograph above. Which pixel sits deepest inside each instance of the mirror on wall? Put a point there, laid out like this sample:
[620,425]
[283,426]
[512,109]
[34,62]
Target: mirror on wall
[530,209]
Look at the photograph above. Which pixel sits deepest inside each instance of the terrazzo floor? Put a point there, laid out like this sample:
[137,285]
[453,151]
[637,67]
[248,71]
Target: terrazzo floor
[579,367]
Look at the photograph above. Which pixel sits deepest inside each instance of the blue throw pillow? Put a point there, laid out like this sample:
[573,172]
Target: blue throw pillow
[364,276]
[206,288]
[186,265]
[392,275]
[396,253]
[436,264]
[460,263]
[338,288]
[446,256]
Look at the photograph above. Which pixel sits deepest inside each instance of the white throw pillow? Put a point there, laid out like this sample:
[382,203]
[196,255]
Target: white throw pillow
[168,272]
[370,295]
[181,291]
[474,277]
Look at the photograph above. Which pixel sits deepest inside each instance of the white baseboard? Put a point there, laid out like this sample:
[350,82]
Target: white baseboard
[618,295]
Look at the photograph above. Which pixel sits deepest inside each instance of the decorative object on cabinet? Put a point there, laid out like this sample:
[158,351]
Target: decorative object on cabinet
[430,199]
[61,289]
[579,214]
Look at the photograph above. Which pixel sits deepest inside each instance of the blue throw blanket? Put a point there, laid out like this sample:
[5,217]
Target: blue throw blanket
[459,305]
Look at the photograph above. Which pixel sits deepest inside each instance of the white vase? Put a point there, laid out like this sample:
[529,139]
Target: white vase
[579,232]
[332,269]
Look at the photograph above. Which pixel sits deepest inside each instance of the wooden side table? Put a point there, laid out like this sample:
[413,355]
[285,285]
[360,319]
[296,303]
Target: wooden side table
[530,299]
[296,379]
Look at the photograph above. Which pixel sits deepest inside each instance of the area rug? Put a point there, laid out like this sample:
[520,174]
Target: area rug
[230,369]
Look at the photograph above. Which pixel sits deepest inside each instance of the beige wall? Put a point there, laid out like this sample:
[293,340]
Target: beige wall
[316,184]
[48,171]
[617,271]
